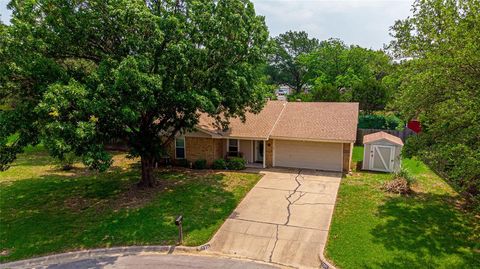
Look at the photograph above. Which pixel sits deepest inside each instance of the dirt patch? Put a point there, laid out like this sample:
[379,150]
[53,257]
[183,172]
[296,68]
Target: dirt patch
[78,204]
[188,171]
[4,252]
[136,197]
[133,196]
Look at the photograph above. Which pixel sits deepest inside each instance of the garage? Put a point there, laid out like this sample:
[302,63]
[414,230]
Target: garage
[309,155]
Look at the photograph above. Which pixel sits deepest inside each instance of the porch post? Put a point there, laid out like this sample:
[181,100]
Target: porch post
[252,148]
[264,155]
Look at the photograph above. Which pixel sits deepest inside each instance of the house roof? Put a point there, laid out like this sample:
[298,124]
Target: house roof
[314,121]
[370,138]
[256,126]
[318,121]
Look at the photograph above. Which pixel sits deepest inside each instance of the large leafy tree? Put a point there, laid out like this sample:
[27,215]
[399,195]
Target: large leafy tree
[77,74]
[337,72]
[440,85]
[284,66]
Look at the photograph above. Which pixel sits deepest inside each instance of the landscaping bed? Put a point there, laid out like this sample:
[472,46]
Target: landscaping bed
[424,229]
[46,210]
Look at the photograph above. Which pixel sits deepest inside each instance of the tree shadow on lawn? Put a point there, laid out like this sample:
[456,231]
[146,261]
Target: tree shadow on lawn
[427,231]
[38,217]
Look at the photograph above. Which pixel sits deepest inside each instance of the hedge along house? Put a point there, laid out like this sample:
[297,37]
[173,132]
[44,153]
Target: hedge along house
[382,152]
[296,135]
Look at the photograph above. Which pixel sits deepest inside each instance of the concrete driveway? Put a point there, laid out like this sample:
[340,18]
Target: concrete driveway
[284,219]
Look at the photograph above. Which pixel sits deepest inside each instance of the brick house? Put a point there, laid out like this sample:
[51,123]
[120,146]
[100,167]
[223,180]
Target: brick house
[309,135]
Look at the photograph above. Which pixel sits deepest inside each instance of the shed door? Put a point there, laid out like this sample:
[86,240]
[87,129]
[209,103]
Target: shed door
[381,158]
[310,155]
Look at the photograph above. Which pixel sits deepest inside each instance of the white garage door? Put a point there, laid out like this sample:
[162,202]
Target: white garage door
[310,155]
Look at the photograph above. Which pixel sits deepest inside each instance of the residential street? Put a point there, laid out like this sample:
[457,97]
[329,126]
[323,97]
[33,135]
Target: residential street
[150,261]
[283,220]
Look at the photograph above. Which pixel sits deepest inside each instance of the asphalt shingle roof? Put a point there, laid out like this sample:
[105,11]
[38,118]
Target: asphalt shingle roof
[315,121]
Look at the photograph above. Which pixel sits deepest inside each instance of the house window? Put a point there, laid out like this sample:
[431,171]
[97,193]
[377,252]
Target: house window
[232,145]
[180,147]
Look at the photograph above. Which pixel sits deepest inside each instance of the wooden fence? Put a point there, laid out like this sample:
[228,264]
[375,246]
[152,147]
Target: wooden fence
[404,134]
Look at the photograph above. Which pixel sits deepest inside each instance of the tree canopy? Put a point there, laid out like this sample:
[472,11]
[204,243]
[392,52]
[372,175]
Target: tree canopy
[337,72]
[76,75]
[284,66]
[440,85]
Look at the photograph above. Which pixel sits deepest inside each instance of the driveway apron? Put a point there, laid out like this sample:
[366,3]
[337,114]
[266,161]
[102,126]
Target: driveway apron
[284,219]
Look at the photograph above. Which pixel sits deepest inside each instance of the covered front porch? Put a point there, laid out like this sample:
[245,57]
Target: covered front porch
[253,151]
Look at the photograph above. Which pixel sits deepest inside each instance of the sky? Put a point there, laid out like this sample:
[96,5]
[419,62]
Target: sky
[360,22]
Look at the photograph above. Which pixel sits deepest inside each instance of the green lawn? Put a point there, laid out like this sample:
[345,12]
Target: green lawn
[44,210]
[372,229]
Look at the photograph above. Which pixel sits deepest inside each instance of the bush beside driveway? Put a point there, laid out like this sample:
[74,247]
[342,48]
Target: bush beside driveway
[45,210]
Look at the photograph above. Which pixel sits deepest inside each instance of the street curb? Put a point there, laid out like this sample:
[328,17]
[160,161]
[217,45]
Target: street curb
[114,251]
[324,263]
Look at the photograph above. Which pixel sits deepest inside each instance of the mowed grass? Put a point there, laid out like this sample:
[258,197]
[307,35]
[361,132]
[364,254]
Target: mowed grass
[373,229]
[45,210]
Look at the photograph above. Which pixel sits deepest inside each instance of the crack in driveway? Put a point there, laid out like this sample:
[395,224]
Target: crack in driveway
[274,245]
[290,203]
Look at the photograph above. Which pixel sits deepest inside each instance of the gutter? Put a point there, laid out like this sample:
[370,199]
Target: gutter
[312,140]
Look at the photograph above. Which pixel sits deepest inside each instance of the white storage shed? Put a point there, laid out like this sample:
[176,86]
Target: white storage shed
[382,152]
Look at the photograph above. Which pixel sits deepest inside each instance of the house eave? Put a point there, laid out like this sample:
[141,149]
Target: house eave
[312,139]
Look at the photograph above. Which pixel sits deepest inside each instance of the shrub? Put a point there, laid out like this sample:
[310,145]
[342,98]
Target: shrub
[303,97]
[405,174]
[200,164]
[219,164]
[378,121]
[236,163]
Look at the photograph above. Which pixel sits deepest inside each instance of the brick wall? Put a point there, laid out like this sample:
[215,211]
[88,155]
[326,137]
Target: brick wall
[200,148]
[269,153]
[219,150]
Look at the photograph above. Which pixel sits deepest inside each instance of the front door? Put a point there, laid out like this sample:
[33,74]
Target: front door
[259,151]
[381,158]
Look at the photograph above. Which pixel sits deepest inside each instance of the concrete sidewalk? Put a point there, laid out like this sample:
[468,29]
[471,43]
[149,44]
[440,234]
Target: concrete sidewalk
[283,220]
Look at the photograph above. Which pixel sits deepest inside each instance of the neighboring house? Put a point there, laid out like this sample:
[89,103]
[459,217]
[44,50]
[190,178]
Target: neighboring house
[299,135]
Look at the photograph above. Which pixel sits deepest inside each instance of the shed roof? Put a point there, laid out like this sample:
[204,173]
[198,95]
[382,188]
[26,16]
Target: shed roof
[370,138]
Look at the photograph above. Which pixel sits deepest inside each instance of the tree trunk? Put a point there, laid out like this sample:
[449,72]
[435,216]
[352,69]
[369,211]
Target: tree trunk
[147,172]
